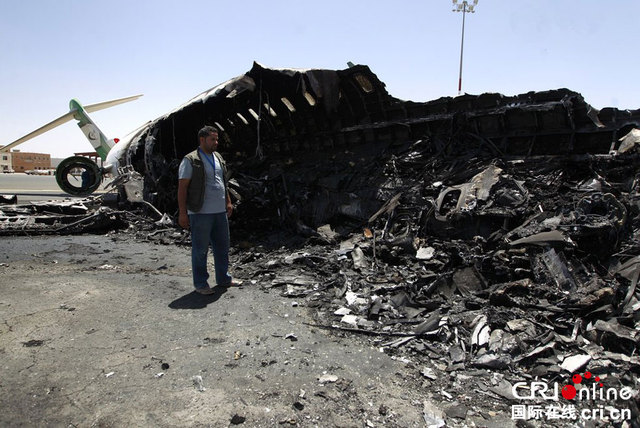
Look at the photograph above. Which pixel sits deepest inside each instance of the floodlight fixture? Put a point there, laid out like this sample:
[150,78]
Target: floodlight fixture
[464,7]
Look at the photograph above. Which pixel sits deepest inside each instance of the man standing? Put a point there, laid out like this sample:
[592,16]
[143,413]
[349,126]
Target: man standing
[204,205]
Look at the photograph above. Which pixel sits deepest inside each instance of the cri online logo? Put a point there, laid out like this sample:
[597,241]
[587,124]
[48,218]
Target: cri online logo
[533,390]
[569,391]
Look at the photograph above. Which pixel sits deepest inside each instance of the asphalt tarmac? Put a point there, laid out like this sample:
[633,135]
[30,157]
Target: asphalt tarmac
[33,188]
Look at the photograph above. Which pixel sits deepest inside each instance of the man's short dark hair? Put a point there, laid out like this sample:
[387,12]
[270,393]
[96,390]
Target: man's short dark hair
[204,132]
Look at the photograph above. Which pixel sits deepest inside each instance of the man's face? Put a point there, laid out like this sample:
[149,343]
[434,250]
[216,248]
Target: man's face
[210,142]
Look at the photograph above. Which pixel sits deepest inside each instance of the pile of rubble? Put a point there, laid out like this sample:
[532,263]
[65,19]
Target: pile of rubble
[77,216]
[482,271]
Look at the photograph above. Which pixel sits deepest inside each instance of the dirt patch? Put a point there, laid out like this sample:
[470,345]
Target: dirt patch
[108,332]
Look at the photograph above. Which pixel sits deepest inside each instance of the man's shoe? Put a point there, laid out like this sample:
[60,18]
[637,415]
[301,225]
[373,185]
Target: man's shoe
[205,290]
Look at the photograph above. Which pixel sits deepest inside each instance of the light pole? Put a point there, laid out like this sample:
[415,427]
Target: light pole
[463,7]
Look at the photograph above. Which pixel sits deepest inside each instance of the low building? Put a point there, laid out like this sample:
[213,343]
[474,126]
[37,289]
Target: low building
[5,162]
[91,155]
[24,161]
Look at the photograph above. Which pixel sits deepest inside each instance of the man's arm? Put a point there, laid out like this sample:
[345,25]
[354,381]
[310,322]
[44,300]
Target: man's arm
[229,205]
[183,218]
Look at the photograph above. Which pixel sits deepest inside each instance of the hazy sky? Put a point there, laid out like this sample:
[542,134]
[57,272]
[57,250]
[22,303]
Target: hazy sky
[55,50]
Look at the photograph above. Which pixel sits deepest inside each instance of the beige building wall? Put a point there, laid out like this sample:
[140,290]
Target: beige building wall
[23,161]
[5,161]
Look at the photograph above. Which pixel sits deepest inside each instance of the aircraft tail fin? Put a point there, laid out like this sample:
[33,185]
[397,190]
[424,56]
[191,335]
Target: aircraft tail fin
[106,104]
[49,126]
[67,117]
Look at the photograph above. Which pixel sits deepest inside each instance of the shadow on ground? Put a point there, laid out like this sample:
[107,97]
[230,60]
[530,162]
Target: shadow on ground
[195,300]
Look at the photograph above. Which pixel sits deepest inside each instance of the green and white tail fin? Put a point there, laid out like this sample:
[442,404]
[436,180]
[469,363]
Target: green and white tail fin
[98,140]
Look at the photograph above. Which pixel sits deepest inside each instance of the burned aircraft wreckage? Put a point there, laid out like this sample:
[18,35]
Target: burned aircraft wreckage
[275,118]
[486,232]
